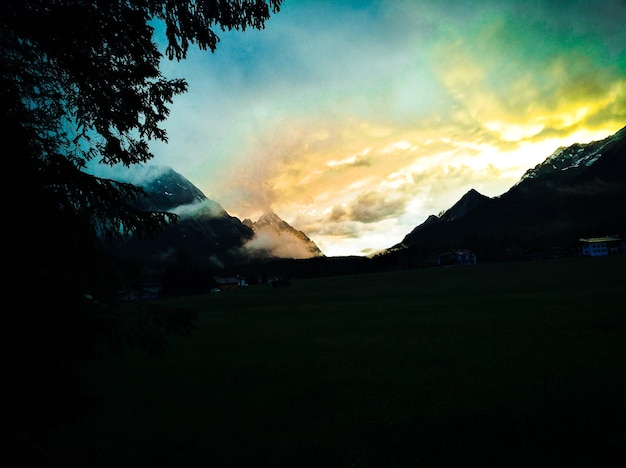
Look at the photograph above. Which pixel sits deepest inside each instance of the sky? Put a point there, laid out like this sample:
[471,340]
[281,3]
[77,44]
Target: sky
[356,120]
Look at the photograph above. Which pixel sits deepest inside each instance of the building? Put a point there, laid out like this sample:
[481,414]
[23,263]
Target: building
[139,292]
[457,257]
[229,283]
[600,246]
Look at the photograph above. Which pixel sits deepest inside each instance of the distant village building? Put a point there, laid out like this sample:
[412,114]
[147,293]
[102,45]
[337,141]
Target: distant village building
[140,292]
[228,283]
[600,246]
[457,257]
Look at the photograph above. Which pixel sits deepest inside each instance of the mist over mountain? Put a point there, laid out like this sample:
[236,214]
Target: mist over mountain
[578,191]
[205,233]
[275,238]
[205,236]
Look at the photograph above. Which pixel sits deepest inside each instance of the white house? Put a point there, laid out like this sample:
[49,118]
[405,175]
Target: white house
[599,246]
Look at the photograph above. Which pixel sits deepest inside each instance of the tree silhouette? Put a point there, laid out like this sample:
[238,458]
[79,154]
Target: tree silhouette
[79,83]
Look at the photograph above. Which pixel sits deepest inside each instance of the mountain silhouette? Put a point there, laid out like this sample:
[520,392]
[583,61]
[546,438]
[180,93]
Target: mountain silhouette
[205,233]
[578,191]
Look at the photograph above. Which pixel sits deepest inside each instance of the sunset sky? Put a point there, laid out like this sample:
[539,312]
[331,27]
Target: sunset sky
[355,120]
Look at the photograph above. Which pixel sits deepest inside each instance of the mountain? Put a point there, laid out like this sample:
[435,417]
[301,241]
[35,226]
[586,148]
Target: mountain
[578,191]
[205,236]
[468,203]
[275,238]
[166,188]
[574,158]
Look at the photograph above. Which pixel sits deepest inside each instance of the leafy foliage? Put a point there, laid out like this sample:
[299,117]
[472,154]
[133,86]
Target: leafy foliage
[82,79]
[79,83]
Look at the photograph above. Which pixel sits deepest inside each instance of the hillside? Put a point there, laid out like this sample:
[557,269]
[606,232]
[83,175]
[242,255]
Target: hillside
[579,191]
[206,237]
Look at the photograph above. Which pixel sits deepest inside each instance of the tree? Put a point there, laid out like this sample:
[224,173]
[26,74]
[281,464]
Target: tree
[80,82]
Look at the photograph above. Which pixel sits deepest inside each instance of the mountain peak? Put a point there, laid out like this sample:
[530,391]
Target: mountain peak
[167,189]
[269,218]
[275,237]
[578,189]
[468,202]
[572,158]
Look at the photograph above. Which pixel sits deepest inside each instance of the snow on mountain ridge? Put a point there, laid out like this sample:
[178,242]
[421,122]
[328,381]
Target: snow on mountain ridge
[571,157]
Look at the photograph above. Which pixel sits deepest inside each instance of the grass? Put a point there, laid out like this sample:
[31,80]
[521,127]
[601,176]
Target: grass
[518,364]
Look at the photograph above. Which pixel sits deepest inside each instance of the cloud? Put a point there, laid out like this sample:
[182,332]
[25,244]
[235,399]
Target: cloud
[385,216]
[522,78]
[373,206]
[281,244]
[136,174]
[205,207]
[357,120]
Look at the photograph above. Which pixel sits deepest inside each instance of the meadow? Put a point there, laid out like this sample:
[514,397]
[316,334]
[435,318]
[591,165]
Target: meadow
[503,364]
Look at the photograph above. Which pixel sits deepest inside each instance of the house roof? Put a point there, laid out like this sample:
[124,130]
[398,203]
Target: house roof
[592,240]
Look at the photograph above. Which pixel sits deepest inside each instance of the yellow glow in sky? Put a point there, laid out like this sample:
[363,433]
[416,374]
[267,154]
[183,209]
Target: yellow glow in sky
[355,124]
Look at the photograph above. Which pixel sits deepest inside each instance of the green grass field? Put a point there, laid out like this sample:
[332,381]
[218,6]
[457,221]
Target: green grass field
[519,364]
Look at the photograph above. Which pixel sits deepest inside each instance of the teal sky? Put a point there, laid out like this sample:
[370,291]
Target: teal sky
[354,121]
